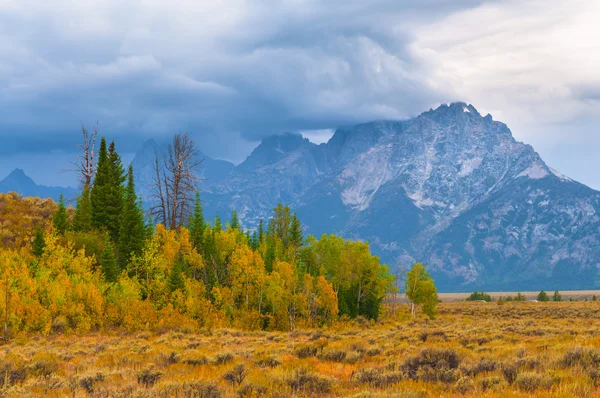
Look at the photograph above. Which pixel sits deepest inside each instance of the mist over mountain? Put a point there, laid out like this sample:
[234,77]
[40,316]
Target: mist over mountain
[450,188]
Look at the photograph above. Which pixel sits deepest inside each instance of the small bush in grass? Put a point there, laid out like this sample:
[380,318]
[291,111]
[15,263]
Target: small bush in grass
[510,371]
[333,355]
[464,385]
[44,364]
[305,351]
[236,375]
[531,381]
[196,389]
[196,361]
[267,361]
[377,377]
[222,359]
[586,357]
[148,377]
[12,370]
[88,382]
[491,383]
[165,360]
[433,364]
[305,382]
[252,391]
[482,366]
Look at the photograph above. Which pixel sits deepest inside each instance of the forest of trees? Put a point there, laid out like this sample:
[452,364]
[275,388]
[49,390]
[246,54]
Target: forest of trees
[105,264]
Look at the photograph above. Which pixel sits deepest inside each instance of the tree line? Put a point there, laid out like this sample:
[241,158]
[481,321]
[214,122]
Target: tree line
[106,263]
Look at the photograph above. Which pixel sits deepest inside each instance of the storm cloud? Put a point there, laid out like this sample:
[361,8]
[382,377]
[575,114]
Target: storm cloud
[232,72]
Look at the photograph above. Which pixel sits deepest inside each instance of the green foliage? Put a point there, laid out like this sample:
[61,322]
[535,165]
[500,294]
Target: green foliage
[176,281]
[132,231]
[61,217]
[82,220]
[421,290]
[197,223]
[108,261]
[479,296]
[235,222]
[107,192]
[520,297]
[296,232]
[556,296]
[39,242]
[542,296]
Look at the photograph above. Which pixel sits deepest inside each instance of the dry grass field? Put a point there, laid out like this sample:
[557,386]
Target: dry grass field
[472,349]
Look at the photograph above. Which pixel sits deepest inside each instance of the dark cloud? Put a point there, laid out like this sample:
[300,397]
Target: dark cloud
[230,73]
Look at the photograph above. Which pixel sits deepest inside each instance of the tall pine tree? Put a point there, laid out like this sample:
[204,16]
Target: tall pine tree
[197,224]
[132,230]
[235,222]
[82,220]
[107,192]
[61,217]
[296,232]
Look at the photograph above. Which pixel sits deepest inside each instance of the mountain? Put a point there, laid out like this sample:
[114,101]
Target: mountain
[19,182]
[450,188]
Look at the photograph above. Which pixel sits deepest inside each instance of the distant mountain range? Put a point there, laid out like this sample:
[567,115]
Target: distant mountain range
[18,181]
[450,188]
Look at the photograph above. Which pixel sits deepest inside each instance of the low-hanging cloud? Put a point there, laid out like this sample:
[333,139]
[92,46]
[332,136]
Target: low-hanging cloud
[232,72]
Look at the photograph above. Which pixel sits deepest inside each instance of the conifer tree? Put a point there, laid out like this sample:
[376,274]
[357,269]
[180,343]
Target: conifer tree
[235,222]
[132,230]
[61,218]
[176,281]
[82,220]
[107,191]
[197,224]
[39,243]
[261,232]
[296,232]
[218,226]
[108,262]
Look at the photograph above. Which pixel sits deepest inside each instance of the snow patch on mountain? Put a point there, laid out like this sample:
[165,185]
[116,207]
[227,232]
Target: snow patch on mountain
[469,165]
[536,171]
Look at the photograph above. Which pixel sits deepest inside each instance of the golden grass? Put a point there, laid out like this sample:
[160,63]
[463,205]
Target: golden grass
[471,349]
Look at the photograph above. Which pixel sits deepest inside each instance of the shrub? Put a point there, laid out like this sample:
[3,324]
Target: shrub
[195,361]
[586,357]
[303,381]
[269,361]
[433,364]
[252,391]
[165,360]
[531,381]
[377,377]
[464,385]
[222,359]
[12,371]
[44,364]
[148,377]
[236,375]
[305,351]
[196,389]
[484,365]
[510,371]
[333,355]
[88,382]
[491,383]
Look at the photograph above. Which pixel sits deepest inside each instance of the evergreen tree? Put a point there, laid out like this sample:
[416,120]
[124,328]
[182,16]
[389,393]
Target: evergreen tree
[176,281]
[296,232]
[543,296]
[108,262]
[261,232]
[107,192]
[556,296]
[218,226]
[39,243]
[197,223]
[235,222]
[132,230]
[82,220]
[61,217]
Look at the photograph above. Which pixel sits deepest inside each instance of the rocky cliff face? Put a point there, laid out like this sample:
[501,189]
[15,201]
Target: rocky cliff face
[450,188]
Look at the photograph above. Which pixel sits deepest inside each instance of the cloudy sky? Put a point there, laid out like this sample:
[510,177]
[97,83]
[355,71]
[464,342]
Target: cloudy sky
[232,72]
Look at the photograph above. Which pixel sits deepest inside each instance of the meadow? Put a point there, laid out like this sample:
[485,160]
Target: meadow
[470,349]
